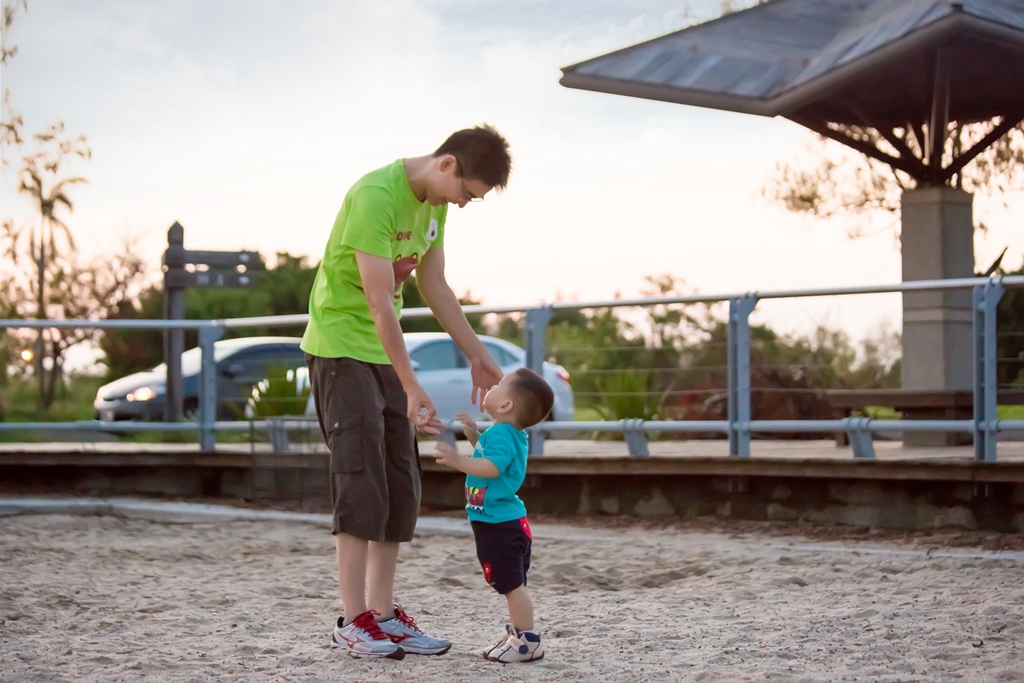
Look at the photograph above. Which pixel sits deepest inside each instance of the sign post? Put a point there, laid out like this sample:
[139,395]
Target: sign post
[183,269]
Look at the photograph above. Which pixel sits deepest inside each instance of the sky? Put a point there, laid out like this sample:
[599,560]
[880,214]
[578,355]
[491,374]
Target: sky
[246,121]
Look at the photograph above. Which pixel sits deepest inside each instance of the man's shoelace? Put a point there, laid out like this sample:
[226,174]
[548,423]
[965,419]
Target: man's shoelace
[407,620]
[366,622]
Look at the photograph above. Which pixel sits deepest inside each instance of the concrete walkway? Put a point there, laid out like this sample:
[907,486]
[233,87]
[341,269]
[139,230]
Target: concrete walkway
[1008,451]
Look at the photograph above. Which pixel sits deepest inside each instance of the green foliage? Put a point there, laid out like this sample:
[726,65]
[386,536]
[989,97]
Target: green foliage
[630,393]
[831,180]
[670,360]
[280,290]
[281,393]
[1010,335]
[72,402]
[413,298]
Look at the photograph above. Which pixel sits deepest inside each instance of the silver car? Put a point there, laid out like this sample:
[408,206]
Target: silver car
[445,375]
[240,364]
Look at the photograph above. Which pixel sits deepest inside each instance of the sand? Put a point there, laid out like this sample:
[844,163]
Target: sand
[88,598]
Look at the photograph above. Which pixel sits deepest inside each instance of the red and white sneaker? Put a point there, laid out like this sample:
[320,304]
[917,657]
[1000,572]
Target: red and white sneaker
[362,637]
[402,630]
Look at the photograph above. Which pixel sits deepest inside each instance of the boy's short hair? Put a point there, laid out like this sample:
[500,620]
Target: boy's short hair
[482,154]
[533,397]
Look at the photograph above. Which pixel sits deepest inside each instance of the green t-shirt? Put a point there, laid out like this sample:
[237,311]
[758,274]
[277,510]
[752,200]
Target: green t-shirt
[380,216]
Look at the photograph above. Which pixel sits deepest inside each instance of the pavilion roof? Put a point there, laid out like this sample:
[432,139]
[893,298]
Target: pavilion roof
[855,62]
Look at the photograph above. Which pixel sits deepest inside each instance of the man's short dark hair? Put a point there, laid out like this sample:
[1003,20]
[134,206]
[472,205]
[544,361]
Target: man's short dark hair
[533,397]
[482,154]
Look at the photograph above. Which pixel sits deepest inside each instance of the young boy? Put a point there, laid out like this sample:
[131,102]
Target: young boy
[367,396]
[495,472]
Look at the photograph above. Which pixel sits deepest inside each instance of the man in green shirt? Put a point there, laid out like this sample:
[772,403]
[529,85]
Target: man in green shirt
[368,400]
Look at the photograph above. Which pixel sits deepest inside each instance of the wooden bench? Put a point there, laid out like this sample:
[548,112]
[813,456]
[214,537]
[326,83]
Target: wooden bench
[916,404]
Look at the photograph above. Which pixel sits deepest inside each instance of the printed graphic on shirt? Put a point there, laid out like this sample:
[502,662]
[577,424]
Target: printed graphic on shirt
[475,498]
[403,266]
[432,230]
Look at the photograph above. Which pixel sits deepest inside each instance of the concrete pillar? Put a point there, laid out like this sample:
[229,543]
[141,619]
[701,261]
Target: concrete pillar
[937,243]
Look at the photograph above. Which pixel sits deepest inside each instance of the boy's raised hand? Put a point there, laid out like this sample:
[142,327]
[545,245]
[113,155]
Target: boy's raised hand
[444,452]
[468,426]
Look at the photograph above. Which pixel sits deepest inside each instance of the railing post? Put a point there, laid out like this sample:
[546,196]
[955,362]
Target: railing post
[738,373]
[635,436]
[986,382]
[208,386]
[536,324]
[859,429]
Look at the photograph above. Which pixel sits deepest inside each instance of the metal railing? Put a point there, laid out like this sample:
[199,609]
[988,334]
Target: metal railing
[984,426]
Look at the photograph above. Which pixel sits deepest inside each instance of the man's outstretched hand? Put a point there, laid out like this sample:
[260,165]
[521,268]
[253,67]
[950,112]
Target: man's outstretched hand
[422,413]
[486,374]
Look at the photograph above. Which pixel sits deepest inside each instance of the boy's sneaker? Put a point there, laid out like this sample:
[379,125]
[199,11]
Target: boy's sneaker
[521,646]
[403,631]
[364,638]
[486,652]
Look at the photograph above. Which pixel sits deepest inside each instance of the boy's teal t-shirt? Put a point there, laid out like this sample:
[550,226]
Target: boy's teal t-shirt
[380,216]
[495,500]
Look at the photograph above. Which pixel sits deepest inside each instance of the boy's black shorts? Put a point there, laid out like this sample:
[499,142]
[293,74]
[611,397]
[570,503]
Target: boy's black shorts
[504,552]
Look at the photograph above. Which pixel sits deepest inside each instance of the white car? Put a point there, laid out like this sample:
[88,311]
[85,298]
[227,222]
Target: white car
[444,373]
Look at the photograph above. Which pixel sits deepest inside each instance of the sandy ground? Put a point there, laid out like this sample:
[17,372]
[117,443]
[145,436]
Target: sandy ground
[112,599]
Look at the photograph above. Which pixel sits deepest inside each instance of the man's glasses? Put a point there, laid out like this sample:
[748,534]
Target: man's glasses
[466,193]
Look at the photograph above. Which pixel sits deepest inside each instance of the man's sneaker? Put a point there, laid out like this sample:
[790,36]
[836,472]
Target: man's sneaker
[363,638]
[521,646]
[402,630]
[486,652]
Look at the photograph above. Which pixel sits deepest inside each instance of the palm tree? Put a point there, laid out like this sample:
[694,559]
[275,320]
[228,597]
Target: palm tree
[39,180]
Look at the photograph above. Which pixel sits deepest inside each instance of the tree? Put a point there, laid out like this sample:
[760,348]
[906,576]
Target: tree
[669,361]
[47,238]
[10,137]
[282,289]
[835,180]
[10,124]
[412,298]
[77,289]
[41,176]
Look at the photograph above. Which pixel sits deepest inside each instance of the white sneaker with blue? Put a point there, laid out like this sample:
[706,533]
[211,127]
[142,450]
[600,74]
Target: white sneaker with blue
[486,651]
[520,646]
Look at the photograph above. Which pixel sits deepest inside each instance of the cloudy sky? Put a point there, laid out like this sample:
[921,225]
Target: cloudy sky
[247,120]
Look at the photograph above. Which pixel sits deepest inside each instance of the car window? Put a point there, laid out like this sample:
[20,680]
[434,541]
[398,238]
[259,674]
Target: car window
[439,355]
[256,362]
[293,356]
[500,355]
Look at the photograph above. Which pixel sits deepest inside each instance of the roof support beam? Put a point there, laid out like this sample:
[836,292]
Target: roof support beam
[901,147]
[911,167]
[1005,126]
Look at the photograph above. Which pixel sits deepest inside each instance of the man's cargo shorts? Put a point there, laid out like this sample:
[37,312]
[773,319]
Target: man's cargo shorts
[375,463]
